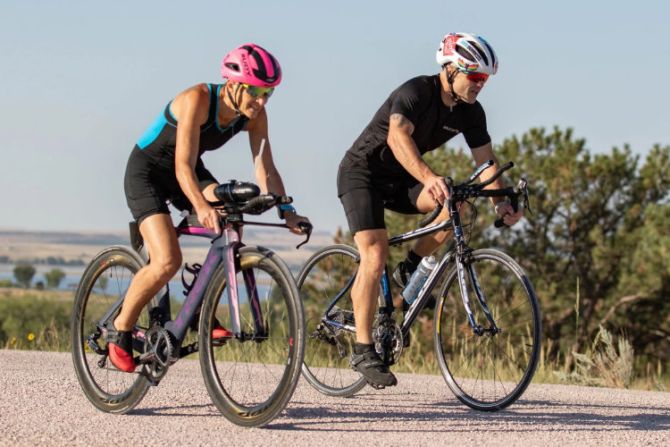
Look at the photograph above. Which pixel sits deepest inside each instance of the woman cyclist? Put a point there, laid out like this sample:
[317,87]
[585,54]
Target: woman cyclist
[166,165]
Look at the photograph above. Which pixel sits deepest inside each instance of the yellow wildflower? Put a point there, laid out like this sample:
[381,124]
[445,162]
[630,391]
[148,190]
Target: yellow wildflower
[31,336]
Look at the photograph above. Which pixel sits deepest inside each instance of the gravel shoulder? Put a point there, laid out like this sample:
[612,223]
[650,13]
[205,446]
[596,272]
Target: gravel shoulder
[42,404]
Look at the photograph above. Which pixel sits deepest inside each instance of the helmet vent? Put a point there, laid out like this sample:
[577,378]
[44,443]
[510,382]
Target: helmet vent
[233,66]
[465,53]
[481,52]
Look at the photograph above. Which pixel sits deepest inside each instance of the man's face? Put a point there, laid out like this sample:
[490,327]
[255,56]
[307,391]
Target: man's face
[468,85]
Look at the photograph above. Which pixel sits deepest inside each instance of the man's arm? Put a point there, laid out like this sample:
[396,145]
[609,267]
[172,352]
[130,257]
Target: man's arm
[405,151]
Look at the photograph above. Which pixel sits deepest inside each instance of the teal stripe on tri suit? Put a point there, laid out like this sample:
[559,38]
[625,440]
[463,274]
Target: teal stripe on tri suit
[152,132]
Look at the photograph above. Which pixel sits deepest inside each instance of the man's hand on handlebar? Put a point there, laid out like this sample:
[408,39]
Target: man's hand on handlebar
[437,188]
[506,212]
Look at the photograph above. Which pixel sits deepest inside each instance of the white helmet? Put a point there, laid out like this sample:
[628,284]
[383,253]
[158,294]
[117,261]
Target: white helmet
[468,52]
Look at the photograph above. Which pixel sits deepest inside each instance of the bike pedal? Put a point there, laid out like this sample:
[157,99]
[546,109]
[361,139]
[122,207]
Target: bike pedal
[95,347]
[152,380]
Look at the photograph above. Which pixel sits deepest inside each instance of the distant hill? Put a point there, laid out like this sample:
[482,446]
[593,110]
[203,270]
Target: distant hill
[68,247]
[52,237]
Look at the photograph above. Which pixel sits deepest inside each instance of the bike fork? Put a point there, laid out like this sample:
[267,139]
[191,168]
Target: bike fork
[463,268]
[231,263]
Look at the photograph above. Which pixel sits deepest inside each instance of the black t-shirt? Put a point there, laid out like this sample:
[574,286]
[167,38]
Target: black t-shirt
[419,101]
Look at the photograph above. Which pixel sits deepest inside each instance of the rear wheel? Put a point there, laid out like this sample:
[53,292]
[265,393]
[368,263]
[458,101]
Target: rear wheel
[100,292]
[491,369]
[328,348]
[251,376]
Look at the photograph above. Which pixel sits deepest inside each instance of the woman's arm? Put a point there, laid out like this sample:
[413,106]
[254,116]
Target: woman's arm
[190,108]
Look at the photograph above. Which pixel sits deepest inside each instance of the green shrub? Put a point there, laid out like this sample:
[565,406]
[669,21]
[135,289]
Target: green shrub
[35,323]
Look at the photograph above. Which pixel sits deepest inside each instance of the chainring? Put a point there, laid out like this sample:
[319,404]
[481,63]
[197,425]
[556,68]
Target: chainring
[158,353]
[388,340]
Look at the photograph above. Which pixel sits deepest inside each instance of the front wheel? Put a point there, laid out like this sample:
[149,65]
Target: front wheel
[328,274]
[488,369]
[100,292]
[251,376]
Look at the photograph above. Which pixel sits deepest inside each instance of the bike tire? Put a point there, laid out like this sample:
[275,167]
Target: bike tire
[489,372]
[326,366]
[108,389]
[270,367]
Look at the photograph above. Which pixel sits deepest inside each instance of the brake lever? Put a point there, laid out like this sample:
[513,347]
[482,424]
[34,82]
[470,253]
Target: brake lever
[306,228]
[523,187]
[521,190]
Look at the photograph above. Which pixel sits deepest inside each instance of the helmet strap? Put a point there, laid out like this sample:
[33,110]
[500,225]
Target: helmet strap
[234,103]
[450,81]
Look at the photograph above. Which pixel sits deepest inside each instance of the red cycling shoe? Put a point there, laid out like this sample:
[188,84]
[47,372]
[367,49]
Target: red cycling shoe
[220,332]
[120,346]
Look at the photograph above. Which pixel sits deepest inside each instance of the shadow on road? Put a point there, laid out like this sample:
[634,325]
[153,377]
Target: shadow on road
[357,413]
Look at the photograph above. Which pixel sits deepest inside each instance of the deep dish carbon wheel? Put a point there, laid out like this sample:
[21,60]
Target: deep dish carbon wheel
[104,282]
[251,377]
[326,274]
[490,370]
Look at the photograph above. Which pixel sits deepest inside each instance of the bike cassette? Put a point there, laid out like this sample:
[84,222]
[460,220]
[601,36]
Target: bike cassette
[388,340]
[158,353]
[328,335]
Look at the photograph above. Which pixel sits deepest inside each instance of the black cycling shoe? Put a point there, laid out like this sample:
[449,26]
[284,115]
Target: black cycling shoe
[375,372]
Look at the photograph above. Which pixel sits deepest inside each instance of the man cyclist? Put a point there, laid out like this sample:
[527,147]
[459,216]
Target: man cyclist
[384,169]
[166,165]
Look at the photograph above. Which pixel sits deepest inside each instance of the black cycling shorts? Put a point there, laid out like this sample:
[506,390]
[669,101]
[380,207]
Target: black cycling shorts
[364,197]
[148,186]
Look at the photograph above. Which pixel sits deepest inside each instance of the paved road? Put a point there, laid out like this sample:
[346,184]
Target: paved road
[41,404]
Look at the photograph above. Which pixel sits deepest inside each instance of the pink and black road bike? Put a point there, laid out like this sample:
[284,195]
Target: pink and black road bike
[251,373]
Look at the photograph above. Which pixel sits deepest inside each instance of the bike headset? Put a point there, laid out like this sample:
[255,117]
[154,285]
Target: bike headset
[469,53]
[249,64]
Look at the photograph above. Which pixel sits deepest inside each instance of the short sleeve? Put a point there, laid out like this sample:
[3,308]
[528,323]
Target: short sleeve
[476,133]
[409,99]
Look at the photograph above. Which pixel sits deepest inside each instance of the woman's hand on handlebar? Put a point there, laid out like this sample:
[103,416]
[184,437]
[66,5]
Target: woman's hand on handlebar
[208,218]
[296,223]
[506,212]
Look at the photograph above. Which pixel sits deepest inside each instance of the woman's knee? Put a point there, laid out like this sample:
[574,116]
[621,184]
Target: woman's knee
[165,267]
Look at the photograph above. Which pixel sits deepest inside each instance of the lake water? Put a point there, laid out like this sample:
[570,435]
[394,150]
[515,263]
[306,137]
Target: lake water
[73,275]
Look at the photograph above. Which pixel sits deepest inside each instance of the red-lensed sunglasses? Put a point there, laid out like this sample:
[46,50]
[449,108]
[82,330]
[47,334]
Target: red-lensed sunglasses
[477,77]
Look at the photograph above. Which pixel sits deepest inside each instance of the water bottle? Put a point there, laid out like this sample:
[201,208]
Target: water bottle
[418,279]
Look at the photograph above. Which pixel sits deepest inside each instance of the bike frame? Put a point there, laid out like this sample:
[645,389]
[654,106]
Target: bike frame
[459,255]
[224,249]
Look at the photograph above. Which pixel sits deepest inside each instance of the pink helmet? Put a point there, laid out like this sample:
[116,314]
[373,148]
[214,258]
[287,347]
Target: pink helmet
[253,65]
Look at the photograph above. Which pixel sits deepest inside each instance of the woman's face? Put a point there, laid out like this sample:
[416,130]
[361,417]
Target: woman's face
[253,99]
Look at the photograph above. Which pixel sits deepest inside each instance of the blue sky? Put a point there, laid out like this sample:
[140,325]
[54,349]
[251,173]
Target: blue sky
[82,80]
